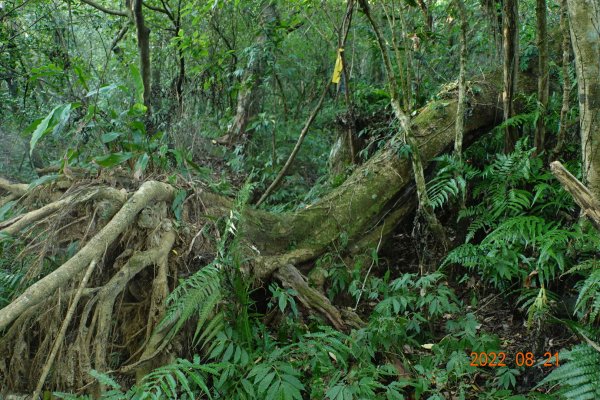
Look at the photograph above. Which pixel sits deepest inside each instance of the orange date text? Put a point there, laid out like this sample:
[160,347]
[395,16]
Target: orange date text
[521,359]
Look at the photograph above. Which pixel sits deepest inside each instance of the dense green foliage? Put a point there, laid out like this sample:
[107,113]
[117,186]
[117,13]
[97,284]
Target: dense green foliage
[72,98]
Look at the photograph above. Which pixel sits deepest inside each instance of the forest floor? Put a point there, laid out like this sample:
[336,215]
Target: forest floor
[497,311]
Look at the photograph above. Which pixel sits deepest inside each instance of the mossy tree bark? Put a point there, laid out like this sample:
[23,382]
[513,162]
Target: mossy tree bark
[585,35]
[543,73]
[510,46]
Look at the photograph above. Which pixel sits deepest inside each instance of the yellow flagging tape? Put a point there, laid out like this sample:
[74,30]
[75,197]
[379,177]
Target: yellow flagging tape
[339,66]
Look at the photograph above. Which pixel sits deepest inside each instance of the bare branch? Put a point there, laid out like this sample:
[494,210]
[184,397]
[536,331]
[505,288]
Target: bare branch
[106,10]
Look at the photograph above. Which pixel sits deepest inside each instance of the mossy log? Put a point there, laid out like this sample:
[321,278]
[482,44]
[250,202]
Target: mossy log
[370,203]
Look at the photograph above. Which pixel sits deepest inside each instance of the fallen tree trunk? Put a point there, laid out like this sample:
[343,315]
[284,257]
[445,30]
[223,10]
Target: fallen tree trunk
[590,207]
[372,201]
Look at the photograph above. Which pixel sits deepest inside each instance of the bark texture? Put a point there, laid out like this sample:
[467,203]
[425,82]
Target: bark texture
[582,195]
[566,94]
[584,18]
[510,46]
[543,88]
[143,41]
[248,102]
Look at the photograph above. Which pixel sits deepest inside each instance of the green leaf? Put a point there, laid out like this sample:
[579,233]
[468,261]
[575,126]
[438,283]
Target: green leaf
[113,159]
[43,180]
[109,137]
[6,208]
[266,382]
[60,117]
[41,130]
[282,302]
[102,90]
[248,387]
[138,83]
[140,166]
[228,353]
[177,206]
[334,392]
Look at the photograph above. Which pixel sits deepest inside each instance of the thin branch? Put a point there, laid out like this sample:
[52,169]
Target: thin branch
[292,156]
[106,10]
[158,9]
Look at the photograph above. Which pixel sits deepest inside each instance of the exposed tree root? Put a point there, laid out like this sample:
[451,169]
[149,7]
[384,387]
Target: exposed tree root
[148,192]
[130,232]
[116,285]
[311,298]
[17,189]
[63,330]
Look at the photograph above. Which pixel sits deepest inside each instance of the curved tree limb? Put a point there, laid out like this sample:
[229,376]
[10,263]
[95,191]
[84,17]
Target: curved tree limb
[18,189]
[100,7]
[311,298]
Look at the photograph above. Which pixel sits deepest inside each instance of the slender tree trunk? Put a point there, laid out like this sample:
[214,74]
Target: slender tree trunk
[542,44]
[490,7]
[143,39]
[345,29]
[585,35]
[409,137]
[460,110]
[343,151]
[428,18]
[181,75]
[402,58]
[566,48]
[248,104]
[510,47]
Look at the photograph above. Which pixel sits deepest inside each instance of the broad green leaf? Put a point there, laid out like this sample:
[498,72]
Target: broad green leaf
[140,166]
[138,83]
[282,302]
[102,90]
[41,130]
[113,159]
[60,117]
[109,137]
[43,180]
[266,382]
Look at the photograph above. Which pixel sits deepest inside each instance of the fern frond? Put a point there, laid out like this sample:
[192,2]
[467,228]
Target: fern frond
[202,287]
[578,374]
[589,295]
[180,376]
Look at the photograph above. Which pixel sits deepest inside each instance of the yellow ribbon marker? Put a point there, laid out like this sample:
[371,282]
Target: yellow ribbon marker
[339,66]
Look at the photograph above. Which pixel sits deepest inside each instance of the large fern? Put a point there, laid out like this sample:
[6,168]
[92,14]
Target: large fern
[202,292]
[578,377]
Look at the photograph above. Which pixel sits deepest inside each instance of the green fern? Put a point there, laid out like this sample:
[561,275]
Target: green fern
[519,120]
[181,376]
[190,296]
[9,282]
[578,376]
[588,301]
[450,181]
